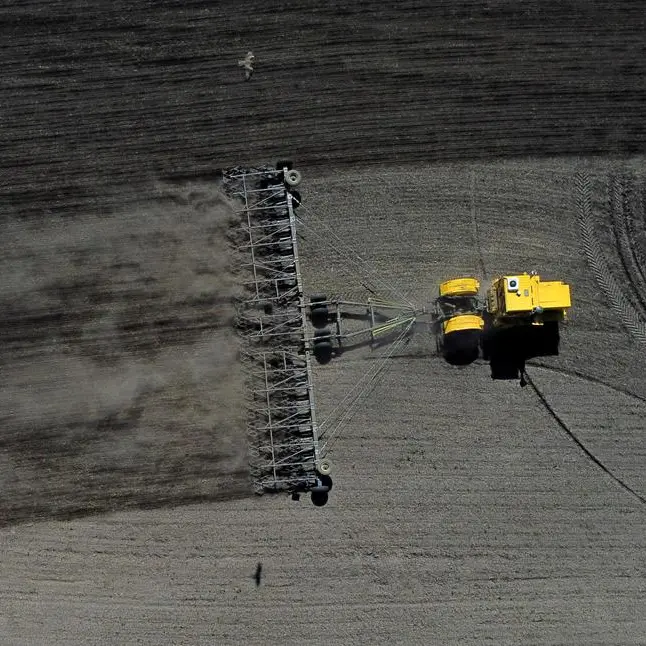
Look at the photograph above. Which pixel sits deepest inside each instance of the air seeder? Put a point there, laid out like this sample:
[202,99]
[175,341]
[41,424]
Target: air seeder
[283,332]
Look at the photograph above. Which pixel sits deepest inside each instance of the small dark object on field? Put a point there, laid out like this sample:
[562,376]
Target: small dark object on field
[247,64]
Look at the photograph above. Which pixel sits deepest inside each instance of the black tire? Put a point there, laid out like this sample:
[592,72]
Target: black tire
[326,481]
[319,316]
[461,348]
[323,352]
[292,178]
[319,499]
[318,298]
[284,163]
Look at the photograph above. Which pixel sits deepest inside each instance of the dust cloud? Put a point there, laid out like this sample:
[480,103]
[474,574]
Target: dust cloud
[120,382]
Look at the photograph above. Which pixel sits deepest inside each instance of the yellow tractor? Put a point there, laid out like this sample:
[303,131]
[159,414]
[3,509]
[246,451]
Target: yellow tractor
[518,320]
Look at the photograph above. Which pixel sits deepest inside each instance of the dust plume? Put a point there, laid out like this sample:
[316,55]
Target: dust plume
[120,383]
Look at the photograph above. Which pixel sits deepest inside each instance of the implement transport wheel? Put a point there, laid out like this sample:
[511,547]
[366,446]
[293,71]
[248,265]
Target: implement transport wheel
[319,316]
[318,298]
[319,498]
[324,468]
[320,492]
[292,178]
[323,348]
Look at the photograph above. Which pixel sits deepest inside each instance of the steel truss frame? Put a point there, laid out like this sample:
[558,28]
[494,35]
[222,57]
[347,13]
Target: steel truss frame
[271,319]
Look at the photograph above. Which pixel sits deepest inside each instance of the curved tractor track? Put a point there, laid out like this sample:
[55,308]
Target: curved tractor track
[624,215]
[579,443]
[585,377]
[624,309]
[621,210]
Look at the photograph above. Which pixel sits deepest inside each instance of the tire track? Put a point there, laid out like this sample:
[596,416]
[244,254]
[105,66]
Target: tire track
[597,262]
[621,215]
[593,458]
[635,208]
[589,378]
[595,258]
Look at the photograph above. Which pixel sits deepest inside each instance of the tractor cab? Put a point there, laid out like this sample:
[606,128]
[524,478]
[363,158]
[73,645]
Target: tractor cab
[523,299]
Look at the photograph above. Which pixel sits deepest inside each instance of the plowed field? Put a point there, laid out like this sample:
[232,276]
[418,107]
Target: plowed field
[434,139]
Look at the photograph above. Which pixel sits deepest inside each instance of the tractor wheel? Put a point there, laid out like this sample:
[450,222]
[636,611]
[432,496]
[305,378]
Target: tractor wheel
[284,163]
[292,178]
[319,316]
[462,347]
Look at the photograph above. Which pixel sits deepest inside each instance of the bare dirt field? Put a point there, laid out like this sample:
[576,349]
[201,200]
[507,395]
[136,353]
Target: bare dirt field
[478,137]
[120,382]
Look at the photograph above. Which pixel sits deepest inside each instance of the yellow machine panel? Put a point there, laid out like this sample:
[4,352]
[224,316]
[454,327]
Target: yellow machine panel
[519,297]
[460,287]
[554,295]
[525,294]
[463,322]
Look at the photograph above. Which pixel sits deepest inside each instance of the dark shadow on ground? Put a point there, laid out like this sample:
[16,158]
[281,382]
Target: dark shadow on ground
[508,349]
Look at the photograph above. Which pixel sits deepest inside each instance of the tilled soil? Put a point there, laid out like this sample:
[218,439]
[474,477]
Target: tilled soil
[120,382]
[462,511]
[97,94]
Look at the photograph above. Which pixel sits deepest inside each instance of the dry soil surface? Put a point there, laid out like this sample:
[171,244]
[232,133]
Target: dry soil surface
[462,510]
[120,379]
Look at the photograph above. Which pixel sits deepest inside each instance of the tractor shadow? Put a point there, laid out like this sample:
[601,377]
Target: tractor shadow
[508,349]
[505,349]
